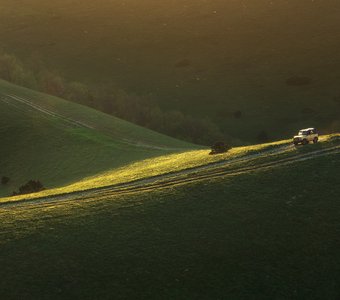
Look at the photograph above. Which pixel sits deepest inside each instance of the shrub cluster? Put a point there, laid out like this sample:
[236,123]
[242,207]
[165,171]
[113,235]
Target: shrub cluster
[219,147]
[134,108]
[32,186]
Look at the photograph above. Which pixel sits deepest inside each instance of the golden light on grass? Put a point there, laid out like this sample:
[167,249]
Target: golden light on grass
[163,165]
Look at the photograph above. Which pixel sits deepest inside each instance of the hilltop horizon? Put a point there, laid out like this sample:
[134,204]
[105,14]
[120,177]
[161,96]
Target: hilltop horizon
[246,66]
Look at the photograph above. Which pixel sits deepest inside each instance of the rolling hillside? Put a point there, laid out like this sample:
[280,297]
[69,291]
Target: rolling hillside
[59,142]
[181,168]
[130,213]
[258,223]
[275,62]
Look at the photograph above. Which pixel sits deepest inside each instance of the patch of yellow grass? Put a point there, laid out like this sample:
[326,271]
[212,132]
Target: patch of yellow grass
[156,166]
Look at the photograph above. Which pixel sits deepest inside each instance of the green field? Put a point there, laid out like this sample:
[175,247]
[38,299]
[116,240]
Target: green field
[132,214]
[270,234]
[205,58]
[129,213]
[58,142]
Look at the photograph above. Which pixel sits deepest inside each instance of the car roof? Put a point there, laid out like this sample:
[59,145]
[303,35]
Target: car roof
[312,128]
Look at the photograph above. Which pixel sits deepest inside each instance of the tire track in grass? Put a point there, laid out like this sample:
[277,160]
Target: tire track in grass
[76,123]
[173,174]
[49,112]
[169,180]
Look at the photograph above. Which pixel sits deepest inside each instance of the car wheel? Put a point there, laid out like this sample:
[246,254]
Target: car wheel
[295,143]
[304,142]
[315,140]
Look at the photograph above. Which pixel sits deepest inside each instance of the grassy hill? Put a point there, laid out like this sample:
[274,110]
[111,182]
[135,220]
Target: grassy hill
[265,233]
[129,213]
[59,142]
[277,62]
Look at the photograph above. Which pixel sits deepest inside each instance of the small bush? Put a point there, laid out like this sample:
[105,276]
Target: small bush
[32,186]
[219,147]
[4,180]
[51,83]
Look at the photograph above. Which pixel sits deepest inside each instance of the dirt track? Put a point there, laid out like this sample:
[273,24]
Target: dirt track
[207,172]
[14,100]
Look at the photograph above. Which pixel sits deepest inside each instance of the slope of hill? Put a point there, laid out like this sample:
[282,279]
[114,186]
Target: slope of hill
[59,142]
[182,168]
[266,230]
[276,62]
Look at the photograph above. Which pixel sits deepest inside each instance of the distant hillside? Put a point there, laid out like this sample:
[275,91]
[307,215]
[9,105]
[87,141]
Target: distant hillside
[249,65]
[59,142]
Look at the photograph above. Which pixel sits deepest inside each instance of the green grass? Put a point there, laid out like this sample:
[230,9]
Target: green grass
[187,159]
[270,234]
[35,145]
[242,52]
[68,157]
[262,235]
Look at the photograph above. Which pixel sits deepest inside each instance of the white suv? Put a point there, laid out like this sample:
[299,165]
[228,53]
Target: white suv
[305,136]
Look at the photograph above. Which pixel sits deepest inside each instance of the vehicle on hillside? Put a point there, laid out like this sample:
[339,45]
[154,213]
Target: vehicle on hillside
[305,136]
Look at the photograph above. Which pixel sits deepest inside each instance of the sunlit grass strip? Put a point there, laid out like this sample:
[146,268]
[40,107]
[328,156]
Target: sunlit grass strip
[160,165]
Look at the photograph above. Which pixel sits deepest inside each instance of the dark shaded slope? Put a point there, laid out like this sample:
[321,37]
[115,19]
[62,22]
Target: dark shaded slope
[275,61]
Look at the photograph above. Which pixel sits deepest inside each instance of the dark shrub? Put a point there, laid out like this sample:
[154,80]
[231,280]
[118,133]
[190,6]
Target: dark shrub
[51,83]
[219,147]
[32,186]
[4,180]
